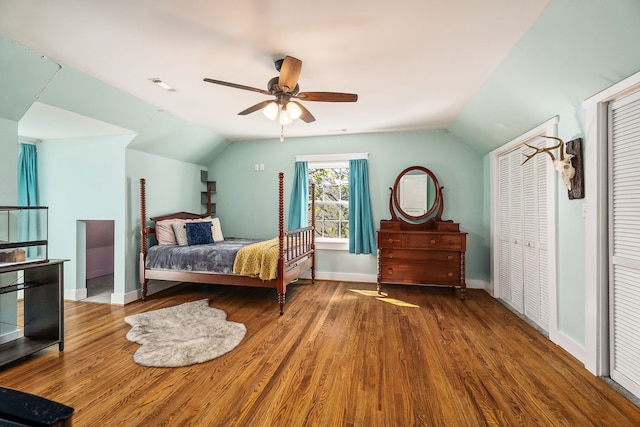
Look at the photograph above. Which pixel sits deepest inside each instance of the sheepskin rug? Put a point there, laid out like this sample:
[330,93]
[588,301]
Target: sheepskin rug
[183,335]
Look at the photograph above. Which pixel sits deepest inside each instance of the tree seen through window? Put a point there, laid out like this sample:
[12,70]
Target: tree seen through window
[332,201]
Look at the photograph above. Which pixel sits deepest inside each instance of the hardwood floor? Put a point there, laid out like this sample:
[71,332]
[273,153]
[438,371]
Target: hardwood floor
[335,358]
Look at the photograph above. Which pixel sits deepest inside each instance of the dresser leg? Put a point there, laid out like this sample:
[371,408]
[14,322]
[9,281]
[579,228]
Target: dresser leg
[462,292]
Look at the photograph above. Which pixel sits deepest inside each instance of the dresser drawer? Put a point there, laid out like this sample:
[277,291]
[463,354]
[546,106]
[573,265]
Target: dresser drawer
[451,258]
[419,273]
[389,240]
[436,241]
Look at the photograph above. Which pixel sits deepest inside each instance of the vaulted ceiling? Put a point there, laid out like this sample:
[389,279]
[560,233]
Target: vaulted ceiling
[483,70]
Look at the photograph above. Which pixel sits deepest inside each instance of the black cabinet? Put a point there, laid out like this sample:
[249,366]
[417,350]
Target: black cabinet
[43,309]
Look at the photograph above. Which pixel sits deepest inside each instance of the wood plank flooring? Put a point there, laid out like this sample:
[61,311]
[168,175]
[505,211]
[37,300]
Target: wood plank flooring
[335,358]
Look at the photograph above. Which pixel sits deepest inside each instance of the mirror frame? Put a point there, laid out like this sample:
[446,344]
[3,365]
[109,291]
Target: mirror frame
[394,201]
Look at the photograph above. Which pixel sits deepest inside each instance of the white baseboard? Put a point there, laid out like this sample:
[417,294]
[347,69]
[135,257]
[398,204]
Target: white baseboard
[342,277]
[577,350]
[152,288]
[156,286]
[75,294]
[477,284]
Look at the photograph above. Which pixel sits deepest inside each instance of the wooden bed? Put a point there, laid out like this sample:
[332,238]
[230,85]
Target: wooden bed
[296,253]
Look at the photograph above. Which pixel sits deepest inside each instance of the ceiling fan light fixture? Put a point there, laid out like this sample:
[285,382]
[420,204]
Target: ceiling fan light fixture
[271,111]
[285,119]
[294,110]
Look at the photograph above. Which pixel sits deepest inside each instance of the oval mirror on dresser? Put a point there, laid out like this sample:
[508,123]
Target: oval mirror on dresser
[416,246]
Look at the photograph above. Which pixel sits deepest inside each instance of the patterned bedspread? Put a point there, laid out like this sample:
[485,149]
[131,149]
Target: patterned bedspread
[258,260]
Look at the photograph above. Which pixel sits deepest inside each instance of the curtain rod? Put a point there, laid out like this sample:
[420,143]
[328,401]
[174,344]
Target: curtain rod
[27,140]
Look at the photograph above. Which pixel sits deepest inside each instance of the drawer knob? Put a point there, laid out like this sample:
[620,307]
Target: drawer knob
[390,271]
[433,242]
[449,257]
[449,274]
[390,254]
[390,240]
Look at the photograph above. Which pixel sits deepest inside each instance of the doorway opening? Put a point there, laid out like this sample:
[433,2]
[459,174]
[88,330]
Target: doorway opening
[99,260]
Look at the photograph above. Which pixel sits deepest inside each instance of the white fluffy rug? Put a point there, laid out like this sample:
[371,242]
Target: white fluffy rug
[183,335]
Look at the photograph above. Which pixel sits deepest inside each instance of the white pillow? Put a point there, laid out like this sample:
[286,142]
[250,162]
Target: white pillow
[216,230]
[164,231]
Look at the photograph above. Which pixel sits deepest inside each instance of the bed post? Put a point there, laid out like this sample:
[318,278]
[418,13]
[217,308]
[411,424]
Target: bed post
[281,273]
[143,237]
[313,233]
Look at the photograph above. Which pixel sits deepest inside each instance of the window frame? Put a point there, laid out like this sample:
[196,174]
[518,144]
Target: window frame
[327,161]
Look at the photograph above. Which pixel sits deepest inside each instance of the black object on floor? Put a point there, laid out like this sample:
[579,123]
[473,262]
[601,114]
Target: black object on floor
[18,408]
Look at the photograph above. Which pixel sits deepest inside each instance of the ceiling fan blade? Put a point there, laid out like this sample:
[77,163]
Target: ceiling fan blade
[327,96]
[256,107]
[306,115]
[289,73]
[237,86]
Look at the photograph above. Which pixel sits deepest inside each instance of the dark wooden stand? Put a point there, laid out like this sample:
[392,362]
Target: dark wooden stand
[43,309]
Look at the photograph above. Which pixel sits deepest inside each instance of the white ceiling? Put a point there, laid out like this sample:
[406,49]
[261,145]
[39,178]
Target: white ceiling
[413,63]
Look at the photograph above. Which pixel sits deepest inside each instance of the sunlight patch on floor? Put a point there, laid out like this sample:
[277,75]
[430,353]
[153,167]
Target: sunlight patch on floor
[383,298]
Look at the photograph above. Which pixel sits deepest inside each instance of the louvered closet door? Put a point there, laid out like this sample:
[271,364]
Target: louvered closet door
[624,241]
[536,278]
[504,192]
[515,230]
[523,265]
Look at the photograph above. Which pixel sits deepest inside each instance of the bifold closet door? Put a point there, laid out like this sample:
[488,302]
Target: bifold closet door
[624,241]
[523,266]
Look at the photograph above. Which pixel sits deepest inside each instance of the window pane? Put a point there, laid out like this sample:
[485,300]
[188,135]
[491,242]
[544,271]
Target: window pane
[332,201]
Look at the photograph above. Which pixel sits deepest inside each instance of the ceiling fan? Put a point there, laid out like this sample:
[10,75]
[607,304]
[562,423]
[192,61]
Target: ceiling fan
[286,91]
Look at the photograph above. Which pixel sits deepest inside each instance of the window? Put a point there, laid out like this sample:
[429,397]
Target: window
[330,174]
[331,200]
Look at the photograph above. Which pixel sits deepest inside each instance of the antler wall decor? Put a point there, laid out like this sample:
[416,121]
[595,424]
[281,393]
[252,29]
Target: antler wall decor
[572,176]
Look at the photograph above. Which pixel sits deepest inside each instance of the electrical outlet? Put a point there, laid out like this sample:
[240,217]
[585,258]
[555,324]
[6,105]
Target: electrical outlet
[261,166]
[256,167]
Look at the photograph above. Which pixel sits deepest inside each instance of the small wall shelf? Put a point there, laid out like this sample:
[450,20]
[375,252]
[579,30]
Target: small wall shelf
[205,196]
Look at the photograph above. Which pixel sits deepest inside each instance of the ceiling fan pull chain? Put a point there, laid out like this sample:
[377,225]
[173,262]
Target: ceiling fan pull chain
[281,133]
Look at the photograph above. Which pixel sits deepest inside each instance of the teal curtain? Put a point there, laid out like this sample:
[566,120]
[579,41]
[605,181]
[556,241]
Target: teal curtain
[27,175]
[299,197]
[362,239]
[28,225]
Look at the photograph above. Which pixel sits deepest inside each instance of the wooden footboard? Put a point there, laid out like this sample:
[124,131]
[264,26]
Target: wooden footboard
[296,253]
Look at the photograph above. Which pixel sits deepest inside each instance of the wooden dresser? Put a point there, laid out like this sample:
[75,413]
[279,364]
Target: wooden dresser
[415,246]
[422,256]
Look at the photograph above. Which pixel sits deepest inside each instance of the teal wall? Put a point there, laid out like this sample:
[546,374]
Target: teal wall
[8,162]
[571,243]
[83,179]
[243,192]
[171,186]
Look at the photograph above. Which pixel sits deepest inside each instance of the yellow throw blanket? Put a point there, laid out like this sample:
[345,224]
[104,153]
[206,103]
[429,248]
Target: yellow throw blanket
[258,260]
